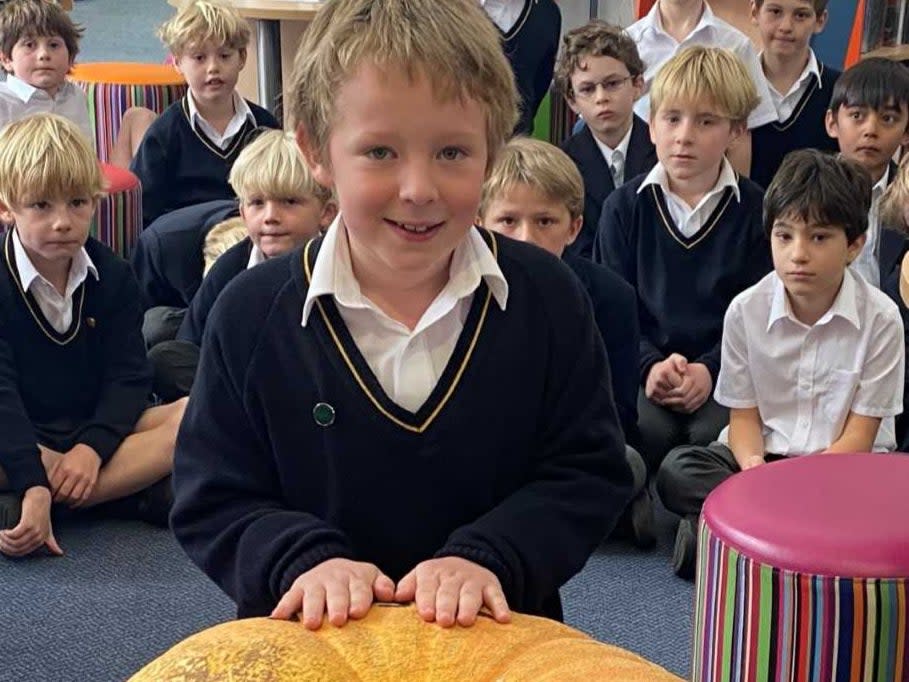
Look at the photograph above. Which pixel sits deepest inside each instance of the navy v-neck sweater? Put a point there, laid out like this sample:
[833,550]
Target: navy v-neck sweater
[290,453]
[683,284]
[88,385]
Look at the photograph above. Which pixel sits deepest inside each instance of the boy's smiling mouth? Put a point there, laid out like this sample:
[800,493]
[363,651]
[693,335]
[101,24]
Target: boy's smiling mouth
[417,228]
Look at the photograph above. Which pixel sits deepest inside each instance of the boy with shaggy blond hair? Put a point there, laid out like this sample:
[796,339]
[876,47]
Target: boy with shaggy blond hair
[324,461]
[688,238]
[74,381]
[186,154]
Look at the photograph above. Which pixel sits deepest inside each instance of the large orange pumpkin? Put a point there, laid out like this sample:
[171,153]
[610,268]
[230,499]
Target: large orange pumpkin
[392,644]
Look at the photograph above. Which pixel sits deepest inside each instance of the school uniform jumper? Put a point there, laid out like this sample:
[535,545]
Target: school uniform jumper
[180,166]
[598,182]
[804,129]
[87,385]
[290,452]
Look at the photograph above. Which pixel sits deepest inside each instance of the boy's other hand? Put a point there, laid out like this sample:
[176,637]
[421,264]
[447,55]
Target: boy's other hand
[452,589]
[693,391]
[341,587]
[665,376]
[34,527]
[74,475]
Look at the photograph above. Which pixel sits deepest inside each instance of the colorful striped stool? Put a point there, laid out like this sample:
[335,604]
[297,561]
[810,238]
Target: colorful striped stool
[113,87]
[803,567]
[118,219]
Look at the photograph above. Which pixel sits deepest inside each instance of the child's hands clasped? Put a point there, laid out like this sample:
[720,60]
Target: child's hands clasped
[693,391]
[446,590]
[450,589]
[74,475]
[663,377]
[34,527]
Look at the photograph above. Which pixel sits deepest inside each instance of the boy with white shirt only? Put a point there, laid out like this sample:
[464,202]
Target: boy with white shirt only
[800,85]
[186,154]
[673,25]
[687,236]
[813,355]
[38,45]
[414,409]
[74,381]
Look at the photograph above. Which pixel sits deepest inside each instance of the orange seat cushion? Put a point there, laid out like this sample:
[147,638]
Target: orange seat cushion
[126,73]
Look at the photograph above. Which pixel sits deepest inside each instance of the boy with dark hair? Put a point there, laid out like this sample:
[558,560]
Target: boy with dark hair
[812,358]
[38,45]
[687,237]
[186,154]
[800,86]
[869,117]
[535,194]
[74,380]
[600,75]
[401,415]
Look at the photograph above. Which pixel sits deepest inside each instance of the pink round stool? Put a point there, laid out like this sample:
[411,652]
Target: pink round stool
[803,570]
[118,219]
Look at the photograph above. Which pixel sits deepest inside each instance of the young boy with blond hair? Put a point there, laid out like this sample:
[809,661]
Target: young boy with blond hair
[812,355]
[800,85]
[38,45]
[535,194]
[688,238]
[366,433]
[74,380]
[186,154]
[600,74]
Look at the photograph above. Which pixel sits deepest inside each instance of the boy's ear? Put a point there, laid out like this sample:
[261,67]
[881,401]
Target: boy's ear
[319,167]
[754,12]
[6,215]
[242,53]
[329,213]
[737,129]
[855,248]
[575,229]
[6,62]
[830,123]
[637,84]
[821,21]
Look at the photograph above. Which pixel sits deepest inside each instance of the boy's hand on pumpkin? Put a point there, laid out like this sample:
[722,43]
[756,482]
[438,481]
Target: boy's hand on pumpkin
[341,587]
[451,589]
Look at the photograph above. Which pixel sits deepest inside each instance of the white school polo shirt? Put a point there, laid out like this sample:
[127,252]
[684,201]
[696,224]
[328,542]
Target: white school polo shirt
[18,99]
[868,264]
[407,363]
[805,380]
[656,47]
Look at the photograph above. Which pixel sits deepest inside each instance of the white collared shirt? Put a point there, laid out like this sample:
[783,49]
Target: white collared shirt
[255,257]
[407,363]
[656,47]
[609,154]
[806,380]
[18,99]
[504,13]
[242,112]
[690,220]
[867,264]
[785,104]
[56,308]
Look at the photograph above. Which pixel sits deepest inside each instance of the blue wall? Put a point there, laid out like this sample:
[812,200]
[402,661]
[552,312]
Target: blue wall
[830,45]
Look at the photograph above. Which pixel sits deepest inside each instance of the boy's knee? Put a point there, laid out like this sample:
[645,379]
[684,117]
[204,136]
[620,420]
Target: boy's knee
[671,477]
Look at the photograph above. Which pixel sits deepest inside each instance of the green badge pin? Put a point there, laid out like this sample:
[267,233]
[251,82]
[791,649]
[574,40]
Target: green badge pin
[324,414]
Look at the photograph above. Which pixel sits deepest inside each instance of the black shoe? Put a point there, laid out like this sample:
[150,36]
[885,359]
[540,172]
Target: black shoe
[155,501]
[684,554]
[643,525]
[10,510]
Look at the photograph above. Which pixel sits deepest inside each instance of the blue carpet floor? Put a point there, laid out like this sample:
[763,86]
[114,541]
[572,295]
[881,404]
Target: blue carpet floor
[124,593]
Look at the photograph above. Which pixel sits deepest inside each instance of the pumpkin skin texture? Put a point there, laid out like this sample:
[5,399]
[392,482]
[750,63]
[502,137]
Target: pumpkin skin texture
[392,644]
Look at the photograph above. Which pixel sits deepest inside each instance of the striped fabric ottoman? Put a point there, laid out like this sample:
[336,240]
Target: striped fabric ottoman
[118,219]
[113,87]
[803,567]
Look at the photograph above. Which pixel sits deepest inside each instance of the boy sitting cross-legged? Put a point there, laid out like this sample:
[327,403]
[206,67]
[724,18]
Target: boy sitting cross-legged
[186,154]
[812,356]
[74,380]
[800,86]
[688,238]
[38,45]
[600,74]
[413,408]
[535,194]
[281,207]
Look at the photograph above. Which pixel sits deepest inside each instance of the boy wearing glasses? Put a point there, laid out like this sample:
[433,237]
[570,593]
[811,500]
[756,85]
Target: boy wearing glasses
[601,76]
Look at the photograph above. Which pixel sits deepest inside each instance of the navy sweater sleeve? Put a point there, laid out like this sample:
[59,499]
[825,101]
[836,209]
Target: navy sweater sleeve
[231,263]
[228,513]
[151,167]
[127,375]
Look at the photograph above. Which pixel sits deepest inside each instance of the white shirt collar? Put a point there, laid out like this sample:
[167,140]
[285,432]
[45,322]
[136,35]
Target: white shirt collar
[812,68]
[333,275]
[655,23]
[881,184]
[255,257]
[242,113]
[504,13]
[727,178]
[844,305]
[26,92]
[81,265]
[622,147]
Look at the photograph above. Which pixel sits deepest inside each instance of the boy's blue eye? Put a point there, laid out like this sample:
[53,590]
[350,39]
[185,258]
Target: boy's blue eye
[379,153]
[452,153]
